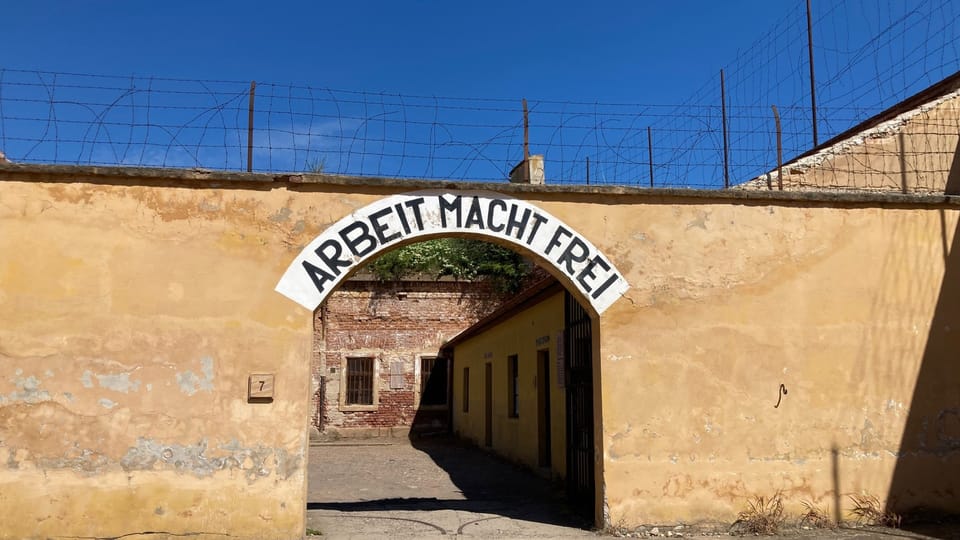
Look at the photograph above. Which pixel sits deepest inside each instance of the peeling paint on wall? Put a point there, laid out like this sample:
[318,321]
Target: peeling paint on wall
[255,462]
[28,390]
[85,461]
[118,382]
[190,383]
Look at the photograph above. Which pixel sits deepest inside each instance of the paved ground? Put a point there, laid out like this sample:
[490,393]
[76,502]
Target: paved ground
[439,488]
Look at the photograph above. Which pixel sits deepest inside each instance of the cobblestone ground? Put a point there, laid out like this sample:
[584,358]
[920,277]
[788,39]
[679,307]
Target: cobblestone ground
[441,488]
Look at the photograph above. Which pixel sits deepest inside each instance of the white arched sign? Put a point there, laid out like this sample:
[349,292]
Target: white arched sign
[330,257]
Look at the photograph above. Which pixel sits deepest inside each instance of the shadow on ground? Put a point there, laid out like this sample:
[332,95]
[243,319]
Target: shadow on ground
[480,483]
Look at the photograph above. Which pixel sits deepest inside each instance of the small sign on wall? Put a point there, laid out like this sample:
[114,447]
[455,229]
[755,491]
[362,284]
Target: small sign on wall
[396,375]
[260,388]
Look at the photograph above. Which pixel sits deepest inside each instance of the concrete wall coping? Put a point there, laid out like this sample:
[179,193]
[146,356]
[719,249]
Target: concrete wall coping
[21,172]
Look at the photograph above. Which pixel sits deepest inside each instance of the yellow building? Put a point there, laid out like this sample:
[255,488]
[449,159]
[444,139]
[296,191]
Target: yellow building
[515,378]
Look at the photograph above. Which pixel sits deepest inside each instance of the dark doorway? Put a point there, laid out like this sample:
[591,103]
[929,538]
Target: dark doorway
[578,367]
[488,404]
[543,409]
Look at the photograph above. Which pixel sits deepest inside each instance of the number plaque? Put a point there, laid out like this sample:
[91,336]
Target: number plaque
[260,387]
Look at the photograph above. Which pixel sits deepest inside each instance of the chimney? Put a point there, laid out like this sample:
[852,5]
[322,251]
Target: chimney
[529,171]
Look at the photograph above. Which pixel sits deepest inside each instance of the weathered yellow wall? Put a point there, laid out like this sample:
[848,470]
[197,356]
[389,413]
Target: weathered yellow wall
[132,310]
[130,319]
[841,305]
[517,437]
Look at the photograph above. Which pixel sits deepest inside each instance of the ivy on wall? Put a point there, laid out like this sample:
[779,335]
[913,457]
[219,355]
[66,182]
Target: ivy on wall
[460,258]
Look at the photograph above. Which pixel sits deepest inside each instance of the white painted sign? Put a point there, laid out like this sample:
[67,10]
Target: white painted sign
[383,225]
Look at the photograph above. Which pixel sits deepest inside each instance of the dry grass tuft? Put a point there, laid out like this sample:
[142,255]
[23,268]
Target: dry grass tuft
[815,517]
[763,516]
[869,511]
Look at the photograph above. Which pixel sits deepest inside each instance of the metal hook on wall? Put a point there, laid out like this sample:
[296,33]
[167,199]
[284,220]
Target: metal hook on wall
[782,391]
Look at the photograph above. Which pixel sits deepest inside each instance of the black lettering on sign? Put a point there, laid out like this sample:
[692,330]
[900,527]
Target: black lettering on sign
[317,275]
[606,284]
[364,237]
[587,272]
[495,203]
[330,253]
[538,220]
[380,228]
[474,215]
[526,225]
[555,240]
[568,256]
[415,206]
[514,225]
[403,218]
[453,206]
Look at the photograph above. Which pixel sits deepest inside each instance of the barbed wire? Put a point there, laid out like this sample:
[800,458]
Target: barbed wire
[898,50]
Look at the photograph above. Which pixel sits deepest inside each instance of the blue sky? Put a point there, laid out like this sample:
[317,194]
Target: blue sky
[614,51]
[392,59]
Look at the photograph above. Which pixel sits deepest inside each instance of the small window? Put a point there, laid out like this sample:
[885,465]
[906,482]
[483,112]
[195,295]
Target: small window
[513,372]
[466,389]
[359,381]
[433,381]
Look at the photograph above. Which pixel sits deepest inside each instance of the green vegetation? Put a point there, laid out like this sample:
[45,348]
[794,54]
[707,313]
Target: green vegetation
[460,258]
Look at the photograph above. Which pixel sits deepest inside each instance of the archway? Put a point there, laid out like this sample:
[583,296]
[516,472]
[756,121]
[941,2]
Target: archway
[590,280]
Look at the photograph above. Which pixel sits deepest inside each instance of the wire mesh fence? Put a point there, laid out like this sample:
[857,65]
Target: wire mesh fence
[867,55]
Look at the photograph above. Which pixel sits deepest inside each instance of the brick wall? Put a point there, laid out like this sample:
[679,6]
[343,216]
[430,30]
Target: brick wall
[395,323]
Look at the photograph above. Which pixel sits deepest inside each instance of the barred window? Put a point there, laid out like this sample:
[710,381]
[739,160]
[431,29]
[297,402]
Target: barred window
[433,381]
[359,381]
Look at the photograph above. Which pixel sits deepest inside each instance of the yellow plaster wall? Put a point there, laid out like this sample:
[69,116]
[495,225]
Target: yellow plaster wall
[853,309]
[133,309]
[513,437]
[130,319]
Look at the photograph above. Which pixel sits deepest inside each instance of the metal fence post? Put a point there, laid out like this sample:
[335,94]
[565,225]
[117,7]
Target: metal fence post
[726,144]
[776,119]
[253,90]
[813,86]
[650,152]
[526,132]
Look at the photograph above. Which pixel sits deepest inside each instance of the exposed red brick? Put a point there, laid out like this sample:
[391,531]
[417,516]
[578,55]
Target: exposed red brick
[393,322]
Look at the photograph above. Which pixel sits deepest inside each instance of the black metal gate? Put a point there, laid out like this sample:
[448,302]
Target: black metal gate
[578,366]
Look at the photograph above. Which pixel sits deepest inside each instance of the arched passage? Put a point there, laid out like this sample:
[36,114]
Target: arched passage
[588,276]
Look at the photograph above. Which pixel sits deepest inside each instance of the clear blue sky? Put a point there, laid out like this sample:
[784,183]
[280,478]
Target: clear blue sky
[869,55]
[633,50]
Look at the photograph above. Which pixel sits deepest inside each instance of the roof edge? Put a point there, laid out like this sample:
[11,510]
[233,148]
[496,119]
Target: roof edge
[536,293]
